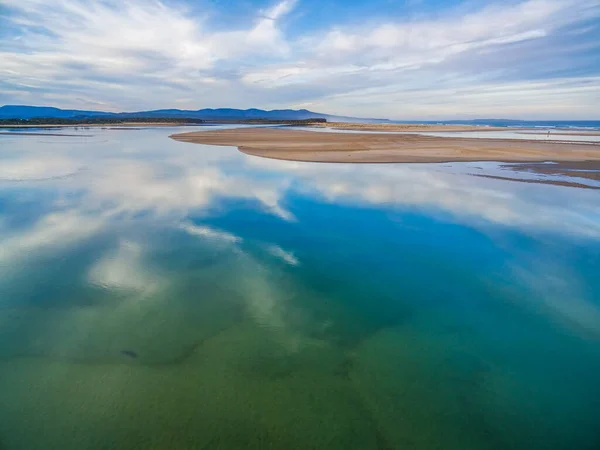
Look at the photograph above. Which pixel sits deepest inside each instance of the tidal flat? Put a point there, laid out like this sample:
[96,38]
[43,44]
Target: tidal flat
[156,294]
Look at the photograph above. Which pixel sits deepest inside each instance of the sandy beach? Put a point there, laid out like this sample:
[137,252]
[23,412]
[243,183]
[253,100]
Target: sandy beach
[300,145]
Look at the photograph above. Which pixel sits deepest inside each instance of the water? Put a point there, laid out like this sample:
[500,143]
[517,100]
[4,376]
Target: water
[592,125]
[157,294]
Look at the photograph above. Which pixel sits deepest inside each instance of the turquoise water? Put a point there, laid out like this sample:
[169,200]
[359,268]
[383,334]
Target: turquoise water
[157,294]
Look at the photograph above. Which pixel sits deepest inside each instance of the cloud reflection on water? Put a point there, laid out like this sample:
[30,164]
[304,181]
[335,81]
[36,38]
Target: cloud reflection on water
[123,269]
[172,179]
[144,174]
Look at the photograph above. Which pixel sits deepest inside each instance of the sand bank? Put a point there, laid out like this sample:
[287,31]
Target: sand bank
[300,145]
[420,128]
[395,127]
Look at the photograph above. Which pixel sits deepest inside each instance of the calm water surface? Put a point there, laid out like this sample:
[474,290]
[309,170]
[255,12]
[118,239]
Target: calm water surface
[163,295]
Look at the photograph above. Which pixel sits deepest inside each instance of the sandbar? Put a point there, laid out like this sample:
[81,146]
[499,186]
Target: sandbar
[420,128]
[403,127]
[300,145]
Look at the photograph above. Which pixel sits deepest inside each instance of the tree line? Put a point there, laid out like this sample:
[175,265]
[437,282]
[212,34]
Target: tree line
[96,121]
[122,120]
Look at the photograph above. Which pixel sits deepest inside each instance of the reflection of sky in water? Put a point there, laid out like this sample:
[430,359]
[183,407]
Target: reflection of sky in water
[516,172]
[148,284]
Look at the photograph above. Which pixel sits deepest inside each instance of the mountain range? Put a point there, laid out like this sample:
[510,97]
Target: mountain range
[33,112]
[229,114]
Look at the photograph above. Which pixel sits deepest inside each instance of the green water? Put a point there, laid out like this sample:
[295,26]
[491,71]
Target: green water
[162,295]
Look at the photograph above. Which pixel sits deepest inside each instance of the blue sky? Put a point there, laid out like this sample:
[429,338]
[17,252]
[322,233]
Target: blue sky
[403,59]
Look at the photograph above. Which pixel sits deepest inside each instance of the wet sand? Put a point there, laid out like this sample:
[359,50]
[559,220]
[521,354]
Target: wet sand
[567,168]
[573,171]
[534,181]
[297,145]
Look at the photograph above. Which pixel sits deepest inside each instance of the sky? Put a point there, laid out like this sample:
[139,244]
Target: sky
[397,59]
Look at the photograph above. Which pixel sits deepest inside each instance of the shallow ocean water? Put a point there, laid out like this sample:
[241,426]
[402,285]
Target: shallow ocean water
[157,294]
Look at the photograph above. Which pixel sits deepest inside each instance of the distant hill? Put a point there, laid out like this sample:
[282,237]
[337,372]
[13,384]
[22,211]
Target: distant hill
[226,114]
[30,112]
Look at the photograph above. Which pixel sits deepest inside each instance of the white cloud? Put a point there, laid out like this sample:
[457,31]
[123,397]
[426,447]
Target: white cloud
[138,54]
[280,9]
[264,39]
[543,99]
[409,69]
[81,46]
[419,42]
[110,37]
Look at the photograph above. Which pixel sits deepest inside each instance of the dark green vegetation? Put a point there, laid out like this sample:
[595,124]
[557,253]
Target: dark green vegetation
[270,121]
[96,121]
[141,120]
